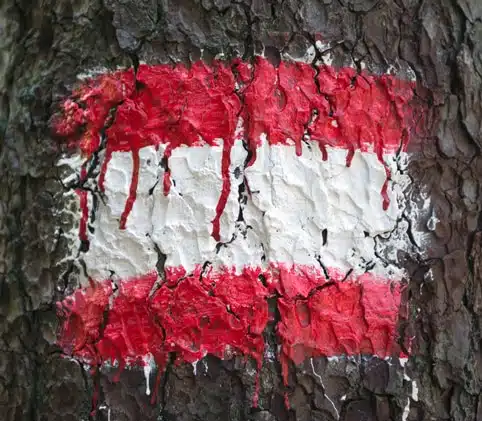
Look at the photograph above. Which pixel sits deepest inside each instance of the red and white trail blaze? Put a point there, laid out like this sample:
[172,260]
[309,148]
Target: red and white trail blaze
[254,182]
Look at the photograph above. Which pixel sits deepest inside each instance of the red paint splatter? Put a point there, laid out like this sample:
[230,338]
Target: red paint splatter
[83,204]
[132,190]
[103,168]
[287,401]
[178,106]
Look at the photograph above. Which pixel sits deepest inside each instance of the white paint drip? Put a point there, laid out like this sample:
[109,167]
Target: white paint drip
[414,387]
[324,389]
[97,71]
[147,375]
[432,222]
[414,391]
[420,212]
[194,367]
[102,407]
[406,410]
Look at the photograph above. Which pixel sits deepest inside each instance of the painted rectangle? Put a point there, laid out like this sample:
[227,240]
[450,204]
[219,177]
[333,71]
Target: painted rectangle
[253,181]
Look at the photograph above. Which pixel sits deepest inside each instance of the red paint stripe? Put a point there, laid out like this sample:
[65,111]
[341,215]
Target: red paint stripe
[84,209]
[221,313]
[181,106]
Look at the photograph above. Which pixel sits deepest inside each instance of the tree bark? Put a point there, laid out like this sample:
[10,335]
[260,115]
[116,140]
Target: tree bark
[45,45]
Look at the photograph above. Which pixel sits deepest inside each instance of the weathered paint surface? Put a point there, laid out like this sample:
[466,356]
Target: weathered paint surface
[252,181]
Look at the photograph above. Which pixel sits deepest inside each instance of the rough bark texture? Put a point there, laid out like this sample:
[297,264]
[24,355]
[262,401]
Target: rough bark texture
[46,44]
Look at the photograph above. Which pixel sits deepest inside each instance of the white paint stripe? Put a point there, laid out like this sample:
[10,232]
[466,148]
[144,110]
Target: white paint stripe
[294,198]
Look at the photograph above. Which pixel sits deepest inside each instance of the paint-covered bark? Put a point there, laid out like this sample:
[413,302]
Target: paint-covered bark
[50,214]
[201,164]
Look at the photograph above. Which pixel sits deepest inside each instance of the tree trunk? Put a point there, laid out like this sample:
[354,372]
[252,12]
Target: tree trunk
[47,44]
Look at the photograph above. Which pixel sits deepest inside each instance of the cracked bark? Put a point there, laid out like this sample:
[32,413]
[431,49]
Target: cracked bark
[45,45]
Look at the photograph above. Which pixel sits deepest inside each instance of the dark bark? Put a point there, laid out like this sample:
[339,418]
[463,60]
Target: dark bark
[46,44]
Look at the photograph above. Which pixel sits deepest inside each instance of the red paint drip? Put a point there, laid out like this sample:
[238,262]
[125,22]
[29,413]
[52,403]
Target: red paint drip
[349,157]
[226,189]
[384,191]
[84,214]
[167,172]
[103,168]
[324,153]
[287,401]
[83,204]
[120,369]
[132,190]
